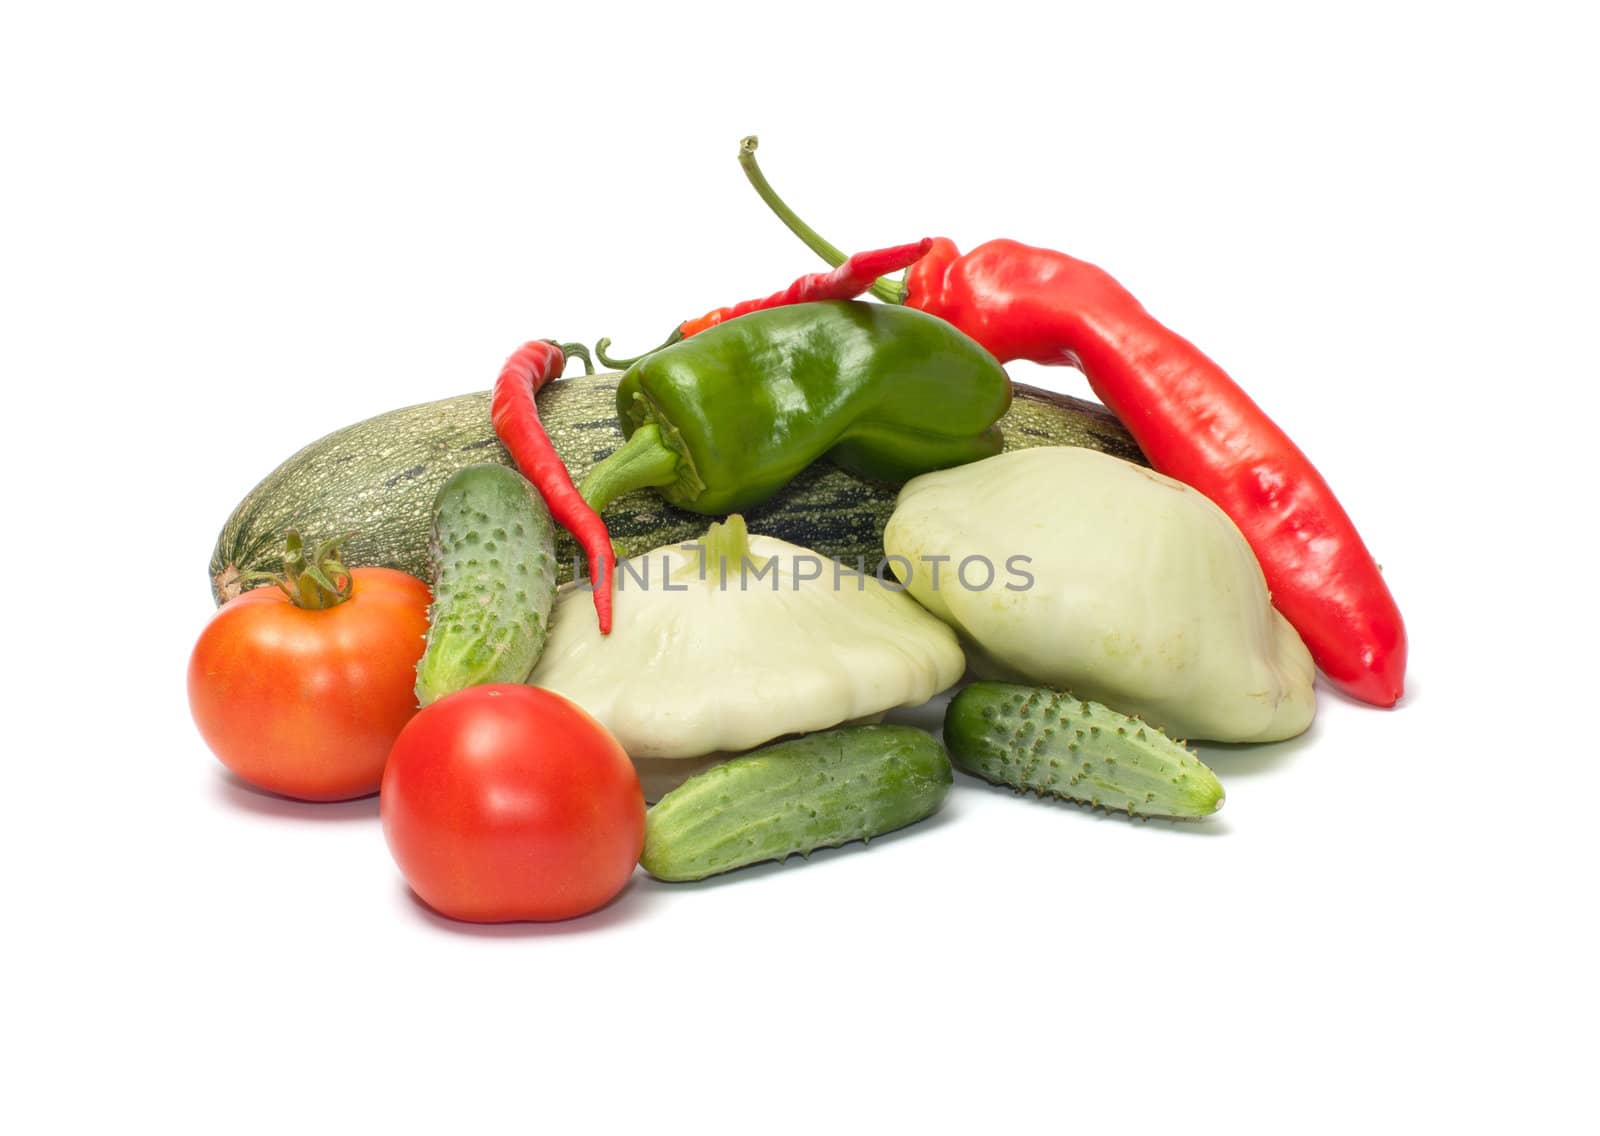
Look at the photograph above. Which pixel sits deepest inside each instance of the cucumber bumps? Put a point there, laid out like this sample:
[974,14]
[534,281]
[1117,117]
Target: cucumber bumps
[494,581]
[819,791]
[1061,746]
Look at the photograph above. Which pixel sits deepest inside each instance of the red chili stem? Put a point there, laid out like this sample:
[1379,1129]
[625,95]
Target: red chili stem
[812,239]
[516,422]
[603,345]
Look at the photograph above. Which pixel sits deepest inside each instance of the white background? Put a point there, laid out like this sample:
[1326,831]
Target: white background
[229,229]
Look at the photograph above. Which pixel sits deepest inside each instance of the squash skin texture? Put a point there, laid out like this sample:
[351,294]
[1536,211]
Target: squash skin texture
[378,479]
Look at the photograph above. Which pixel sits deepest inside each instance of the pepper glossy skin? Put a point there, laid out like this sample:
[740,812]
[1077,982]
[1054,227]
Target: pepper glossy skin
[855,275]
[1191,420]
[722,421]
[1195,424]
[516,423]
[846,282]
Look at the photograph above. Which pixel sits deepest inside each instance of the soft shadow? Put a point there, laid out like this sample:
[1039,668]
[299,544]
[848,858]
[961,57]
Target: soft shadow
[239,794]
[1326,689]
[1213,825]
[628,904]
[822,856]
[1246,759]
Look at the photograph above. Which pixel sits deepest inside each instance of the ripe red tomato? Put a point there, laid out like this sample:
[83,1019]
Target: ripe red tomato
[506,802]
[307,702]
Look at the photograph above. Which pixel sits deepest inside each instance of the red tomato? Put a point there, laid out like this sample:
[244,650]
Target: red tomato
[507,802]
[307,702]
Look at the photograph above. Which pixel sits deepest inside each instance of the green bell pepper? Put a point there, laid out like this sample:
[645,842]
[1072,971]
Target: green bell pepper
[721,421]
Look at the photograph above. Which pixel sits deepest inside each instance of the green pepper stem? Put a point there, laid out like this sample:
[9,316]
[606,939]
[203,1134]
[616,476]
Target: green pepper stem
[889,291]
[643,461]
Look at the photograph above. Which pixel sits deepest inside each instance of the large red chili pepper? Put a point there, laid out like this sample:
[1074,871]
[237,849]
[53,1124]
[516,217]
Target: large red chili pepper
[853,276]
[1191,420]
[516,422]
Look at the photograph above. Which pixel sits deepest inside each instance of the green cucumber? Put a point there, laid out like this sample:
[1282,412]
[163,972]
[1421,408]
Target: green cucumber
[1061,746]
[378,479]
[819,791]
[494,582]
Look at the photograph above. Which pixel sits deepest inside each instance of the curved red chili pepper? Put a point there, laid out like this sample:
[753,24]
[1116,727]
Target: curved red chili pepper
[1194,423]
[1191,420]
[858,273]
[849,280]
[516,423]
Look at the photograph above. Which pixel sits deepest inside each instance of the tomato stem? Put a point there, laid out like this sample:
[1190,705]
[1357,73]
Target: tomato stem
[313,582]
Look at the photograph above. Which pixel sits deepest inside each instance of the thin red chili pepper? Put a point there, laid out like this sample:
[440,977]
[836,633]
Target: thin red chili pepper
[1191,420]
[850,279]
[516,422]
[854,275]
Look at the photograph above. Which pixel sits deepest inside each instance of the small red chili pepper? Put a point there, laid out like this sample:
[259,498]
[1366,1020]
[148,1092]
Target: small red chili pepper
[855,275]
[516,422]
[1191,420]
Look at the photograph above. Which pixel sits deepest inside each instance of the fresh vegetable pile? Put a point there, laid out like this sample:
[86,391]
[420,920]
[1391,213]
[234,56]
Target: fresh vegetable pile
[517,623]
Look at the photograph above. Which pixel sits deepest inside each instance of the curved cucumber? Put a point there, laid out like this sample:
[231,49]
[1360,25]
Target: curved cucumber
[818,791]
[494,581]
[1061,746]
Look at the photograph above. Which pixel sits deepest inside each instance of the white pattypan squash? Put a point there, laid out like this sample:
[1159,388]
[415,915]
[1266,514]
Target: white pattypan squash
[1143,594]
[709,656]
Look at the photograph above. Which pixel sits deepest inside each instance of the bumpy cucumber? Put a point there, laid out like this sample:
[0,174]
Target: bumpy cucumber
[494,581]
[1061,746]
[819,791]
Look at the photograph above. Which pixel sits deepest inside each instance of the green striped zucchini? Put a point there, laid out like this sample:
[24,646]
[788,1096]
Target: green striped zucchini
[378,479]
